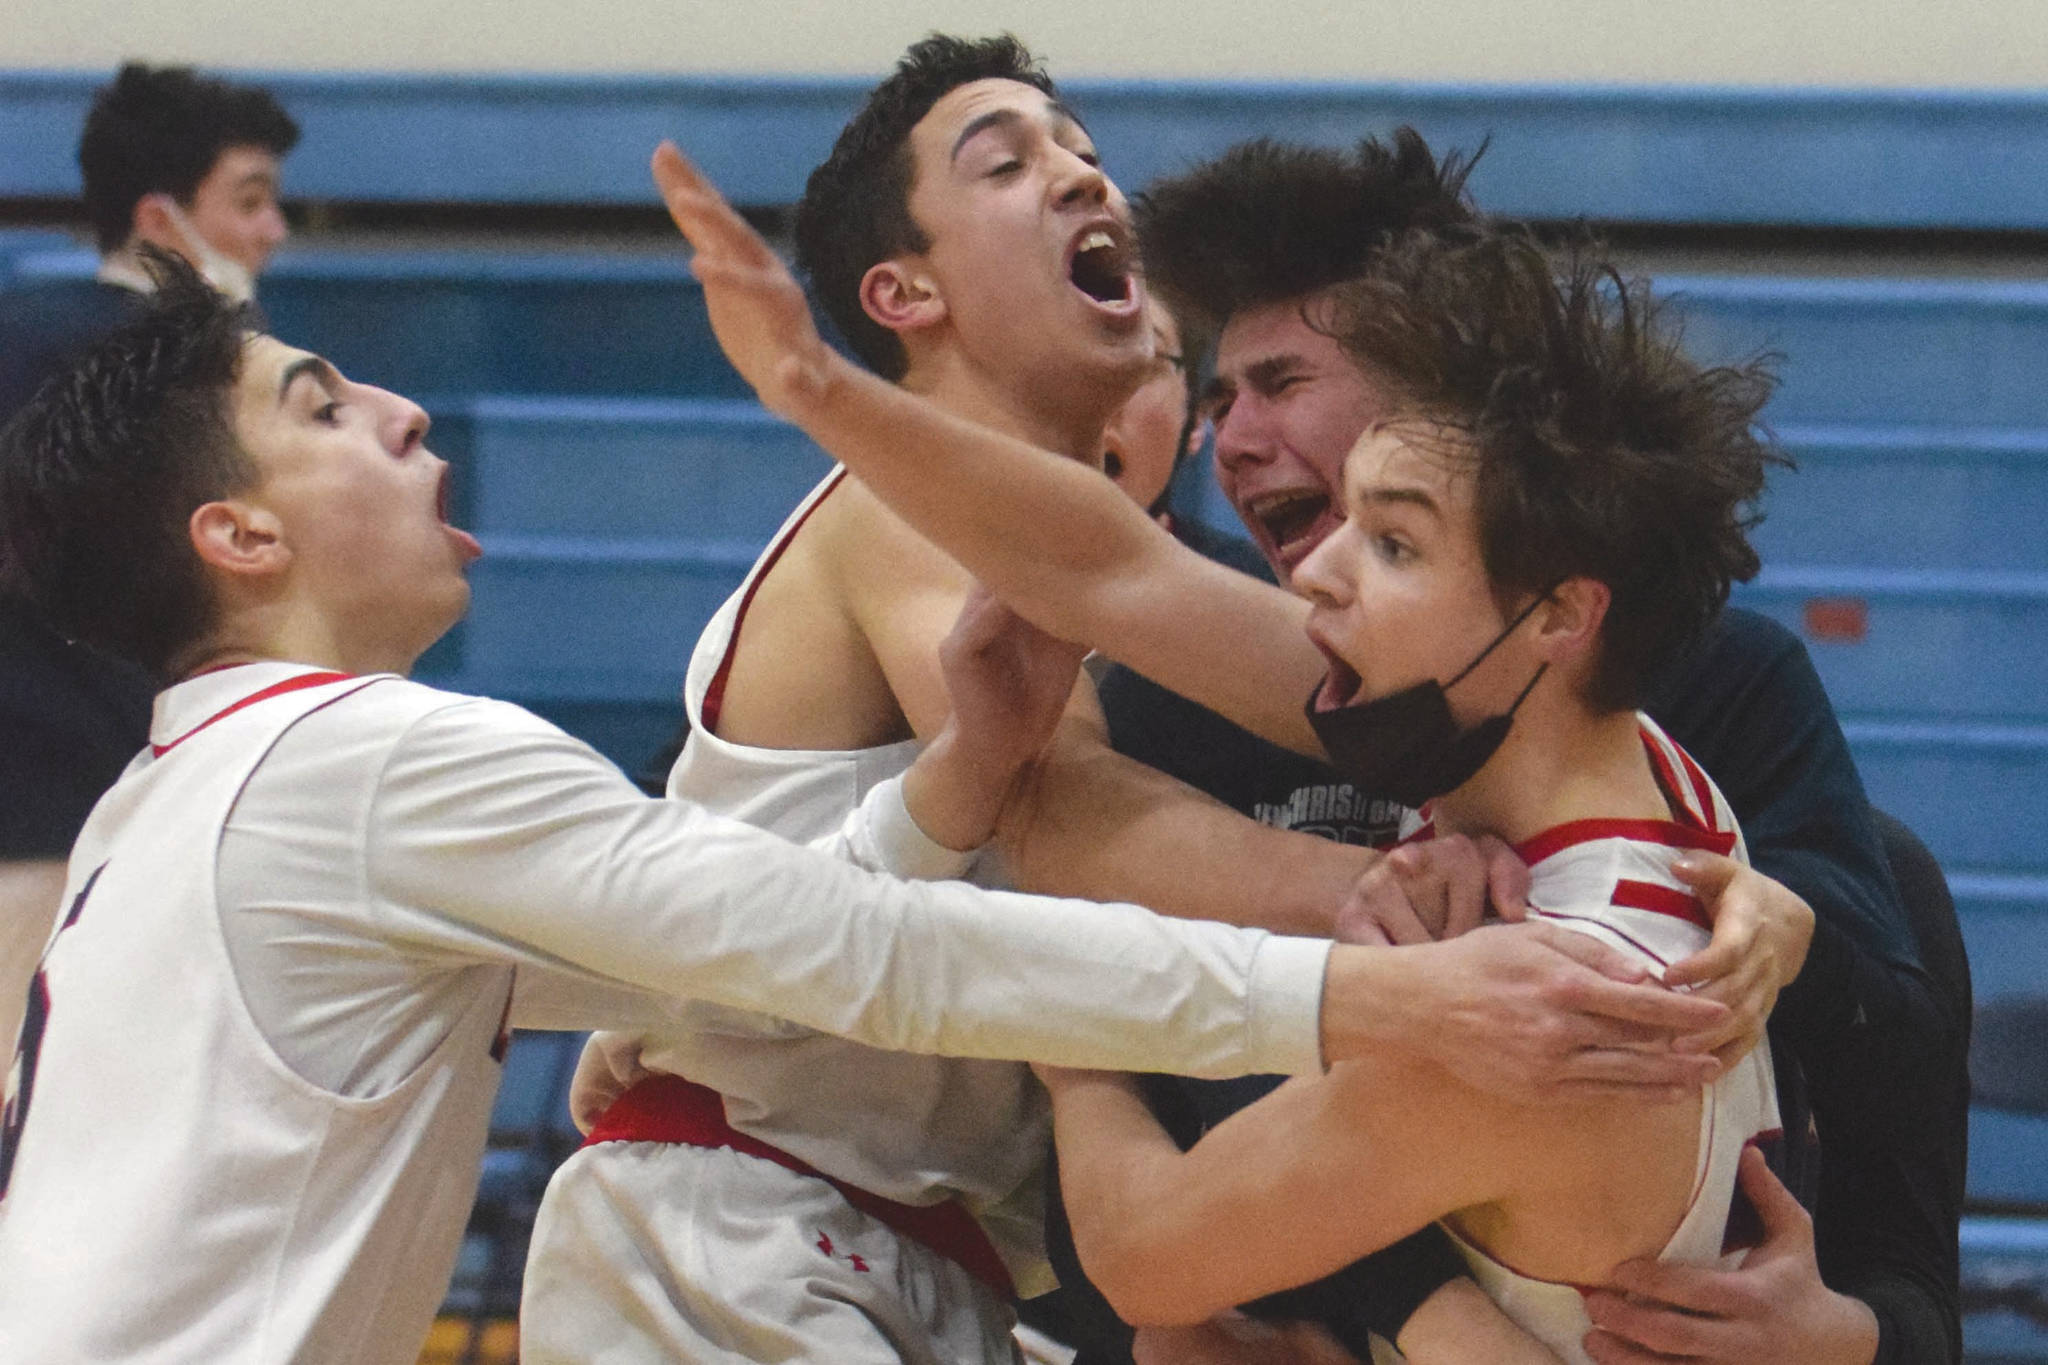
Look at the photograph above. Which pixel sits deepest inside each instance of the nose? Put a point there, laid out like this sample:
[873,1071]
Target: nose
[1243,435]
[1321,577]
[1082,183]
[273,228]
[402,422]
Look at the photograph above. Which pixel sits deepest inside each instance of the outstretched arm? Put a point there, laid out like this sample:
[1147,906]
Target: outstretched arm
[1054,539]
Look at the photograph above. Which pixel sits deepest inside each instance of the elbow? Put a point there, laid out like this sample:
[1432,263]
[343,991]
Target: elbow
[1144,1281]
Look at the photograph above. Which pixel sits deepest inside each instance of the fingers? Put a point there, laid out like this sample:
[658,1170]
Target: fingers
[1785,1221]
[700,211]
[1590,952]
[1708,874]
[1655,1285]
[1507,878]
[1669,1076]
[1464,880]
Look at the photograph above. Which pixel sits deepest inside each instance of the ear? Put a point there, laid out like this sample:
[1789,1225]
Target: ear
[151,222]
[239,539]
[900,297]
[1568,623]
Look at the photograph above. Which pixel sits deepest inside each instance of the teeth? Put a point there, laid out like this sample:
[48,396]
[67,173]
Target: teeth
[1094,241]
[1273,502]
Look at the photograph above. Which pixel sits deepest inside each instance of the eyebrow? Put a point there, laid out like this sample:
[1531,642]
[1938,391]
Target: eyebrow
[1413,497]
[1266,371]
[328,377]
[996,118]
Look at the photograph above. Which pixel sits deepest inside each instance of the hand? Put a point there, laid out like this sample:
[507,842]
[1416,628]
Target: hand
[1773,1308]
[758,311]
[1535,1012]
[1434,890]
[1008,681]
[1234,1339]
[1761,934]
[609,1067]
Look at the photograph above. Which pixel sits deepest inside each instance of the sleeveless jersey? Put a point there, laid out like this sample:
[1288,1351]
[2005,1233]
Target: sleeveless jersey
[1612,880]
[911,1128]
[188,1197]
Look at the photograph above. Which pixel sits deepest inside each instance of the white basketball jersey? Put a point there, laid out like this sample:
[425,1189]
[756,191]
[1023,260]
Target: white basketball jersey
[916,1129]
[1612,880]
[185,1196]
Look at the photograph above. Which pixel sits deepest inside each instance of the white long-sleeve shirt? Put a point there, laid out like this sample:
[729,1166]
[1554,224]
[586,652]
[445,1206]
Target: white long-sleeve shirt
[262,1074]
[477,832]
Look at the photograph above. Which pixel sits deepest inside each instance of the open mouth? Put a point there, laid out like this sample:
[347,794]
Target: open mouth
[1102,266]
[1340,685]
[1291,521]
[467,542]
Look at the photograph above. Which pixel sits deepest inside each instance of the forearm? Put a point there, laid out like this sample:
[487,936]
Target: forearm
[513,843]
[1067,551]
[1117,1179]
[1089,822]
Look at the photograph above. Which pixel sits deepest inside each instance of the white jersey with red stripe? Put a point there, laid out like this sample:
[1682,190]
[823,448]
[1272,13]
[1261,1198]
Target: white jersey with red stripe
[1612,880]
[189,1196]
[910,1128]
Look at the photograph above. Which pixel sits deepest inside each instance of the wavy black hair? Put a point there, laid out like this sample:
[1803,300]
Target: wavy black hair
[159,130]
[101,471]
[1270,221]
[856,206]
[1596,446]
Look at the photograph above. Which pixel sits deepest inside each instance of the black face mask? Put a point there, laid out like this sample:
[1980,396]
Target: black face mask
[1405,746]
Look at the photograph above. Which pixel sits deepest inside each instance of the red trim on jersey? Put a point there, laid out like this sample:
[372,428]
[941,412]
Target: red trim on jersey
[297,684]
[671,1109]
[1661,900]
[1666,832]
[714,695]
[1702,789]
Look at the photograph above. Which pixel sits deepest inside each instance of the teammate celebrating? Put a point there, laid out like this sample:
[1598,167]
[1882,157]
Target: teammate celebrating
[245,1118]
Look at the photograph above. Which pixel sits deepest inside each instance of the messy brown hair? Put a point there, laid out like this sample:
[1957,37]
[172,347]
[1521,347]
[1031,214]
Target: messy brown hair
[1598,449]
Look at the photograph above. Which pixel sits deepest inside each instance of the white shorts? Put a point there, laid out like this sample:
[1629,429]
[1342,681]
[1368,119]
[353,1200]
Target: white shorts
[646,1253]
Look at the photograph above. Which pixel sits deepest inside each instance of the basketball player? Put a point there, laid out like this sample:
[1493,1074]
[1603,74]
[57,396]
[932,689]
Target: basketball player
[245,1119]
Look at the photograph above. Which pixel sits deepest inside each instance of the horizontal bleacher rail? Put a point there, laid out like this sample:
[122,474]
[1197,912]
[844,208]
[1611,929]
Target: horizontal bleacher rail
[1823,158]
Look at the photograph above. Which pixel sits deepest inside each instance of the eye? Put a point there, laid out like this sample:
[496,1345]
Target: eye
[1009,167]
[328,414]
[1090,157]
[1393,549]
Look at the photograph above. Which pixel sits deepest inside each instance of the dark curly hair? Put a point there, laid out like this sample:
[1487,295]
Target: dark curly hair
[1269,221]
[1597,448]
[101,471]
[856,206]
[159,130]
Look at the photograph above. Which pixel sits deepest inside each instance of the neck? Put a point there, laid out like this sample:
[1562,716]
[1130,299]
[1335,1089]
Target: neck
[1065,420]
[1559,763]
[281,635]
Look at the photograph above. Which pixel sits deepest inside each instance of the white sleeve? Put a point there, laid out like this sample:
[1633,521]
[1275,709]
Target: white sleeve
[494,835]
[882,836]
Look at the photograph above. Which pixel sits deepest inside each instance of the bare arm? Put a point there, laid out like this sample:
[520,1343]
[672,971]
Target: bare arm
[1303,1182]
[1055,540]
[1087,821]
